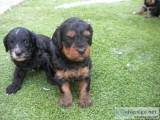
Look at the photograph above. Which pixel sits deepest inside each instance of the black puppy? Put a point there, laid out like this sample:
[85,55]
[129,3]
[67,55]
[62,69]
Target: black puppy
[72,40]
[151,6]
[29,51]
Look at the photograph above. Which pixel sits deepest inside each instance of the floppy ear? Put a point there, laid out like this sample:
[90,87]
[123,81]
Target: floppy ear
[91,30]
[56,38]
[39,44]
[5,42]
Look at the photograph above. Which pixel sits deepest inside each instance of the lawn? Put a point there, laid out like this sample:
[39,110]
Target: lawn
[125,54]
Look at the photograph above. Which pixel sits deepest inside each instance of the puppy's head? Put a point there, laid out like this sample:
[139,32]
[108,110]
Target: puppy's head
[21,43]
[74,38]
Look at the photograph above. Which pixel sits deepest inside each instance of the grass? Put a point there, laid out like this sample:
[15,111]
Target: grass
[125,54]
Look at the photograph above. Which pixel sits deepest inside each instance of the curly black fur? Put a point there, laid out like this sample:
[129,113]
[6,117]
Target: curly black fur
[29,51]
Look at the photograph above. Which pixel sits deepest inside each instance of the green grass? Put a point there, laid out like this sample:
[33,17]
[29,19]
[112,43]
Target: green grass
[125,54]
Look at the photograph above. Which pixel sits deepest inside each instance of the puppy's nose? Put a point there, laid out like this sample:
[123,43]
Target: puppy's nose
[18,53]
[81,51]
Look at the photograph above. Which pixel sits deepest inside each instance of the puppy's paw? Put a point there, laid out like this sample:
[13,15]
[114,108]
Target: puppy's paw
[148,16]
[65,101]
[13,88]
[52,82]
[85,102]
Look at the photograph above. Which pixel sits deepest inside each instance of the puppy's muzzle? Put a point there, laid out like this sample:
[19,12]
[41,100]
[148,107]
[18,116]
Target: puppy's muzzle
[77,54]
[18,54]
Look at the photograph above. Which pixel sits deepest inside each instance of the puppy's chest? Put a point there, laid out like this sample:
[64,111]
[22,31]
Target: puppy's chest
[31,65]
[73,73]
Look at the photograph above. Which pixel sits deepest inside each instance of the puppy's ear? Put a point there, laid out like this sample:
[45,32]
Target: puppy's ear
[91,30]
[56,38]
[39,44]
[5,42]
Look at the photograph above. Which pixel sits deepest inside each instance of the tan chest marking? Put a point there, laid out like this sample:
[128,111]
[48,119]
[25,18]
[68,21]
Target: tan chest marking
[82,72]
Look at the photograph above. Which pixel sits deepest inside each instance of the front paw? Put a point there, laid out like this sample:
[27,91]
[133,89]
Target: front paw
[65,101]
[85,102]
[13,88]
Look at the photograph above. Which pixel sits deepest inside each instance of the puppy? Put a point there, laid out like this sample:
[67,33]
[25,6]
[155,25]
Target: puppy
[151,6]
[72,40]
[28,51]
[156,10]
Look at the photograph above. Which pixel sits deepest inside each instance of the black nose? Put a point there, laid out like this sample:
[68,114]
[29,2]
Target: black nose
[18,53]
[81,51]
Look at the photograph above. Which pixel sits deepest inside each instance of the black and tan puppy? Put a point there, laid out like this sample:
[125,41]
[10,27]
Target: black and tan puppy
[152,7]
[29,51]
[72,40]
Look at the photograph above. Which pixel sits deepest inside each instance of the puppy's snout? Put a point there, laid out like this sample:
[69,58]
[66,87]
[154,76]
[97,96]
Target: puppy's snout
[18,53]
[81,51]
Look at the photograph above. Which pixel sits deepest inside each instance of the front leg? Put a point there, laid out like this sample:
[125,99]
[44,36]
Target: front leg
[50,75]
[85,99]
[141,10]
[66,98]
[17,81]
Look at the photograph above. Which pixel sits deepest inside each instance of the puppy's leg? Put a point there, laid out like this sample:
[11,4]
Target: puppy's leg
[85,99]
[66,99]
[49,70]
[141,10]
[148,13]
[17,81]
[50,75]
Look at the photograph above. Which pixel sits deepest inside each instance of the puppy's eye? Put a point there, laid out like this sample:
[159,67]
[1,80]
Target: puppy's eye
[26,41]
[87,37]
[69,40]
